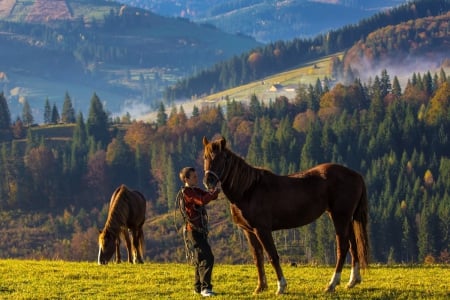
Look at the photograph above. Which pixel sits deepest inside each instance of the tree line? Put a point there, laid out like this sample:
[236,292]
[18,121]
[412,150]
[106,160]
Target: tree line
[397,138]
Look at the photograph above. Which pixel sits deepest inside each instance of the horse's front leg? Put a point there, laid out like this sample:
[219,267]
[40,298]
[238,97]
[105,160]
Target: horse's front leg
[118,259]
[266,239]
[258,258]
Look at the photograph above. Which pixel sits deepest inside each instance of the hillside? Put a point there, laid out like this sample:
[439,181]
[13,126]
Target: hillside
[285,55]
[124,54]
[405,48]
[269,21]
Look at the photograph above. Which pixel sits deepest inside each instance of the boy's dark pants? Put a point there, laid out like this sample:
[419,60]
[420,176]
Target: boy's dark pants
[203,260]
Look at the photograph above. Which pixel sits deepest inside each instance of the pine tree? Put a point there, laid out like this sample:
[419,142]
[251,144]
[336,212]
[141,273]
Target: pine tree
[5,115]
[68,112]
[97,122]
[396,89]
[55,115]
[47,112]
[385,84]
[27,116]
[161,119]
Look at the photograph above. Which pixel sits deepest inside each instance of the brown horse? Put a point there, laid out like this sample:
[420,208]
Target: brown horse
[262,202]
[126,216]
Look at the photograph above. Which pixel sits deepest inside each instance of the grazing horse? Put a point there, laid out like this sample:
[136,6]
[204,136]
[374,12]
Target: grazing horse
[262,202]
[126,216]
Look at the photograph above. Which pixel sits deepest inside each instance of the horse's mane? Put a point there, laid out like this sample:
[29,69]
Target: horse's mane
[118,210]
[241,175]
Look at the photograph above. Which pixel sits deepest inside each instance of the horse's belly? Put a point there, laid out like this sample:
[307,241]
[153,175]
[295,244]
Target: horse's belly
[296,217]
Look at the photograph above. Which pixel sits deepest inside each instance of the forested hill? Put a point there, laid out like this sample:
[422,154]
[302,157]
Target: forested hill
[284,55]
[125,54]
[57,179]
[408,45]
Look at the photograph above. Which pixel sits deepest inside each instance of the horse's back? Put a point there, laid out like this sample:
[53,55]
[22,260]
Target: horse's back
[138,206]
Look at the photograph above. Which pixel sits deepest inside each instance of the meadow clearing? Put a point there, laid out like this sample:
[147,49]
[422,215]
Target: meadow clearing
[44,279]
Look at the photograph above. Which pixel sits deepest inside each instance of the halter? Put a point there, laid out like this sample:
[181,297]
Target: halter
[213,174]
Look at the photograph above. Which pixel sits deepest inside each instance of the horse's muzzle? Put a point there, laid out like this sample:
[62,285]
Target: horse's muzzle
[210,180]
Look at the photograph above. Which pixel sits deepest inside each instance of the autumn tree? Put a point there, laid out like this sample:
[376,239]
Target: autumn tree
[139,134]
[439,105]
[42,165]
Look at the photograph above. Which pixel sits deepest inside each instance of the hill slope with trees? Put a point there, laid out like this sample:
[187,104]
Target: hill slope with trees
[58,178]
[56,192]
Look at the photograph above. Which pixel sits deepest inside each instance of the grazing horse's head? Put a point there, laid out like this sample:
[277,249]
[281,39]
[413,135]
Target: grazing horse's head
[214,161]
[106,246]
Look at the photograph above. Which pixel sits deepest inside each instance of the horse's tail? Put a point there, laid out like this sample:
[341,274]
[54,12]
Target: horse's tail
[360,219]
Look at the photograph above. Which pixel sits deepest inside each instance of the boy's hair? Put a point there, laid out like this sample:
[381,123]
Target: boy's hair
[186,172]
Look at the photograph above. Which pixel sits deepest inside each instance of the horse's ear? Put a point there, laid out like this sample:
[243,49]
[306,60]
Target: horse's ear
[223,143]
[205,141]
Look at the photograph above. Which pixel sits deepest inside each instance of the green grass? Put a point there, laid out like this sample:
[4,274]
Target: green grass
[32,279]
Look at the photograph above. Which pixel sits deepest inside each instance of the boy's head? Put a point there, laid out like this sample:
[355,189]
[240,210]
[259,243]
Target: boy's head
[186,174]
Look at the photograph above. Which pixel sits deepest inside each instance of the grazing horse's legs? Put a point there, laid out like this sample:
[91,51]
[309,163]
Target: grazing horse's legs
[258,258]
[266,239]
[342,227]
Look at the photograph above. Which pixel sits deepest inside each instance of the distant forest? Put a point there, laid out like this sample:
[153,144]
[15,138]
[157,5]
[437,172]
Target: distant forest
[57,178]
[410,38]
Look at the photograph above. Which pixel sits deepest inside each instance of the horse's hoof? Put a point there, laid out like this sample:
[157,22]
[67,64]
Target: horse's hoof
[353,283]
[259,289]
[279,292]
[282,285]
[330,289]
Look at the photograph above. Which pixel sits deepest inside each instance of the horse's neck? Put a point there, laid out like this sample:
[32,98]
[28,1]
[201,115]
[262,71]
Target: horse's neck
[112,227]
[114,221]
[239,178]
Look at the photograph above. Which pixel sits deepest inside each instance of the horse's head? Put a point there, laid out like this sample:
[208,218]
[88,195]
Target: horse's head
[214,161]
[106,247]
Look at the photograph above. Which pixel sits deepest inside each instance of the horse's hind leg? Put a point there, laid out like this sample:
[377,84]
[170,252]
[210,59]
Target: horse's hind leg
[355,276]
[140,246]
[137,236]
[266,239]
[342,227]
[258,257]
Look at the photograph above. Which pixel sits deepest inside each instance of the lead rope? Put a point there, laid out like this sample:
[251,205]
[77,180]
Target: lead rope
[179,205]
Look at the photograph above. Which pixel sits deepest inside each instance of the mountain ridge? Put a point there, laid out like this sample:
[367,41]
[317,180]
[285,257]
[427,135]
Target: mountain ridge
[268,21]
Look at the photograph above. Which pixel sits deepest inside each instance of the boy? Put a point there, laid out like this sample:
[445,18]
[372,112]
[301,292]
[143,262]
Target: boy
[193,209]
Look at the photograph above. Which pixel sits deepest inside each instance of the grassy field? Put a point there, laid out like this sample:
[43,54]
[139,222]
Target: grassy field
[32,279]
